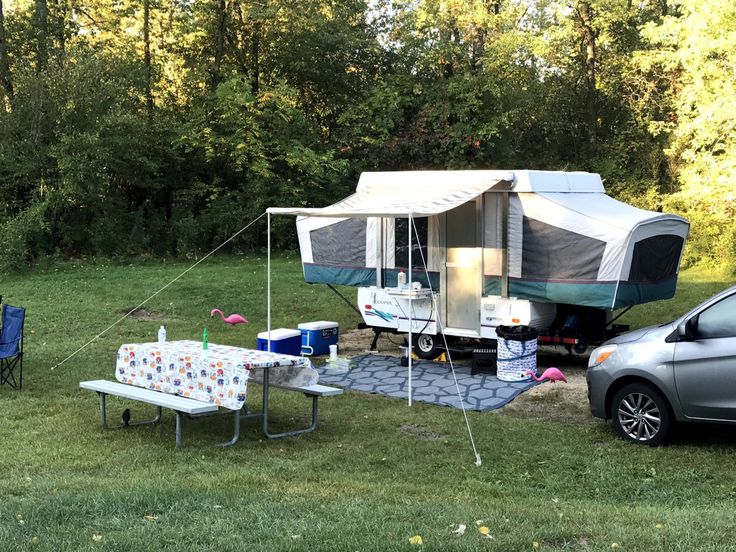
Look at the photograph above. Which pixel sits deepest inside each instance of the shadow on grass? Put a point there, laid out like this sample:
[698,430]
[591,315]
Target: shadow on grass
[694,434]
[549,356]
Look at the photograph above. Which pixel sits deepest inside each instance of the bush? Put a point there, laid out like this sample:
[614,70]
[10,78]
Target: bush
[23,237]
[712,241]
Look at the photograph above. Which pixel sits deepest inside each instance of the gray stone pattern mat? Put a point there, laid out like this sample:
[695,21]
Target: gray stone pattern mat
[432,382]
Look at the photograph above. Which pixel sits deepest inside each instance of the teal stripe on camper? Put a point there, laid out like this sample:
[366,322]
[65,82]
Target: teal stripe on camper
[344,276]
[593,294]
[491,285]
[635,293]
[590,294]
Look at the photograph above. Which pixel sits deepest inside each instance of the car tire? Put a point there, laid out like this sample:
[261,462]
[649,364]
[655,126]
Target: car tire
[426,346]
[641,414]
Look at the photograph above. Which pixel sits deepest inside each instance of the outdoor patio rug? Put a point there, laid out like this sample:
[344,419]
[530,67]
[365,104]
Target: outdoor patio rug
[432,382]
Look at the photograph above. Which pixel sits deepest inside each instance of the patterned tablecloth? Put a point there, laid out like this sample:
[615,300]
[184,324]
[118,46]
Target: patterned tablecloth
[218,375]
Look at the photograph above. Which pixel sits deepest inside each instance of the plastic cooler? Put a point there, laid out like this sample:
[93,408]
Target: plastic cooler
[283,340]
[318,336]
[516,352]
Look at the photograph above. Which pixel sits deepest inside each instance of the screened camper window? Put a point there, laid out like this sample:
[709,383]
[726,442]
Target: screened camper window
[401,242]
[340,244]
[551,253]
[655,258]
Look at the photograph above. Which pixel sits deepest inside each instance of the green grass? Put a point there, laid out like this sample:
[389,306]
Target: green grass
[361,482]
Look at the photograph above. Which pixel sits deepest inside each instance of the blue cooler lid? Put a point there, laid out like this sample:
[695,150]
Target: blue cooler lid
[319,325]
[279,334]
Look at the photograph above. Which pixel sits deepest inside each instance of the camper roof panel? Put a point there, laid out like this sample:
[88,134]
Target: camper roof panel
[556,181]
[607,210]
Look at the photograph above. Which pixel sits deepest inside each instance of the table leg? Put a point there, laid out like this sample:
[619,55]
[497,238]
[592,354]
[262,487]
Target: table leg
[236,431]
[103,410]
[103,415]
[265,400]
[293,433]
[178,428]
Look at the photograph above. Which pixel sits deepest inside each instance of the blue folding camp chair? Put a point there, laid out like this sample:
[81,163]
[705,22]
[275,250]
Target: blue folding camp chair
[11,346]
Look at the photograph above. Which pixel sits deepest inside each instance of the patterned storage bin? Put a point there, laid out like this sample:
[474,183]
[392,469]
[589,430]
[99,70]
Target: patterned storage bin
[517,352]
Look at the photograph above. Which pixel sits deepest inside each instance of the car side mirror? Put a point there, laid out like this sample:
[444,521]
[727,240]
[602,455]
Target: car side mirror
[686,330]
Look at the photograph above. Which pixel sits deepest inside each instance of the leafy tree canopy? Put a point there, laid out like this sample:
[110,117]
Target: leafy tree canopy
[164,126]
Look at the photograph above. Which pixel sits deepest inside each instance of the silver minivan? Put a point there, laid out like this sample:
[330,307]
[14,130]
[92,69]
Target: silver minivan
[684,370]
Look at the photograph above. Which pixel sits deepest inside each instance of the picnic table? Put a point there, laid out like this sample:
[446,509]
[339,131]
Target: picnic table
[218,375]
[197,382]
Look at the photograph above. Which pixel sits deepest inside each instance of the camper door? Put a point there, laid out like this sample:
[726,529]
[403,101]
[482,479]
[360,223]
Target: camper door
[462,276]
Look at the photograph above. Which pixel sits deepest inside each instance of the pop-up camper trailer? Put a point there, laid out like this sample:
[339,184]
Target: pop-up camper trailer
[538,248]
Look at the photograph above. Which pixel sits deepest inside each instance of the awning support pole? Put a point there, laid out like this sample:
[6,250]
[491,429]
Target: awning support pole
[268,281]
[505,244]
[411,307]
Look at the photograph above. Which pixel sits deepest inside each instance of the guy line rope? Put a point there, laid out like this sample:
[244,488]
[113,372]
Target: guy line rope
[126,315]
[478,460]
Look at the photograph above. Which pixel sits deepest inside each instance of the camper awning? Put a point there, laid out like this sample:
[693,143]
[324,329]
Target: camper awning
[398,194]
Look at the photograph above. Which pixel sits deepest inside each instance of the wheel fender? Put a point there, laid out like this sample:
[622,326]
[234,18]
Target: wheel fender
[660,384]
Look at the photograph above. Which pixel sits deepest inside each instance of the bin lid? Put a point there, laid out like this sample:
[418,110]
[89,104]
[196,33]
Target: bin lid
[318,325]
[517,333]
[280,333]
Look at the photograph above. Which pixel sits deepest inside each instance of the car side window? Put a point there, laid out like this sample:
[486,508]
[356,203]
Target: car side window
[718,320]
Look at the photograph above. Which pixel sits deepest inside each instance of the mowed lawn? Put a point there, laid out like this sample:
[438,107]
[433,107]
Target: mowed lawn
[361,482]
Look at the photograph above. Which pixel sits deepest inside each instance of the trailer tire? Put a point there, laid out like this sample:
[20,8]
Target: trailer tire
[427,347]
[581,346]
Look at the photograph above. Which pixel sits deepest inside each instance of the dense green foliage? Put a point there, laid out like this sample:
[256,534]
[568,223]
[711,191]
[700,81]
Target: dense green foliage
[162,126]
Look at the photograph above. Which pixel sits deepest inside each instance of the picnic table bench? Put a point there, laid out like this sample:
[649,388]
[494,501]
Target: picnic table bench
[178,363]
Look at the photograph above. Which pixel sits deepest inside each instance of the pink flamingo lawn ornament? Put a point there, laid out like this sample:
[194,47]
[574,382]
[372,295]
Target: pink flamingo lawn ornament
[231,319]
[551,374]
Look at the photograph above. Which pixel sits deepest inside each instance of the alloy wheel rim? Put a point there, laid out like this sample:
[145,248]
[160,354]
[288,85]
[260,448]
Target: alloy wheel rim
[639,417]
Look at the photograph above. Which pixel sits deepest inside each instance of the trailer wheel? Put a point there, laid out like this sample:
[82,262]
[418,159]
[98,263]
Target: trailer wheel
[426,346]
[580,347]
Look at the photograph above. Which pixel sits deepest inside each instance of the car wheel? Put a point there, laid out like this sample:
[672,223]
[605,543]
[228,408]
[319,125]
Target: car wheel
[641,414]
[426,346]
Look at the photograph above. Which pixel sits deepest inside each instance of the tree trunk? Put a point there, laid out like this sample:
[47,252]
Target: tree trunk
[147,55]
[588,37]
[5,78]
[42,34]
[59,19]
[478,48]
[481,34]
[219,44]
[255,51]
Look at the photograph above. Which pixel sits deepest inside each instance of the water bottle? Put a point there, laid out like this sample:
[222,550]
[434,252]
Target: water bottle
[161,336]
[401,279]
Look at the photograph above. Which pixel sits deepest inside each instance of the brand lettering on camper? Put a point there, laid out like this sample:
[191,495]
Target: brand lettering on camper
[386,316]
